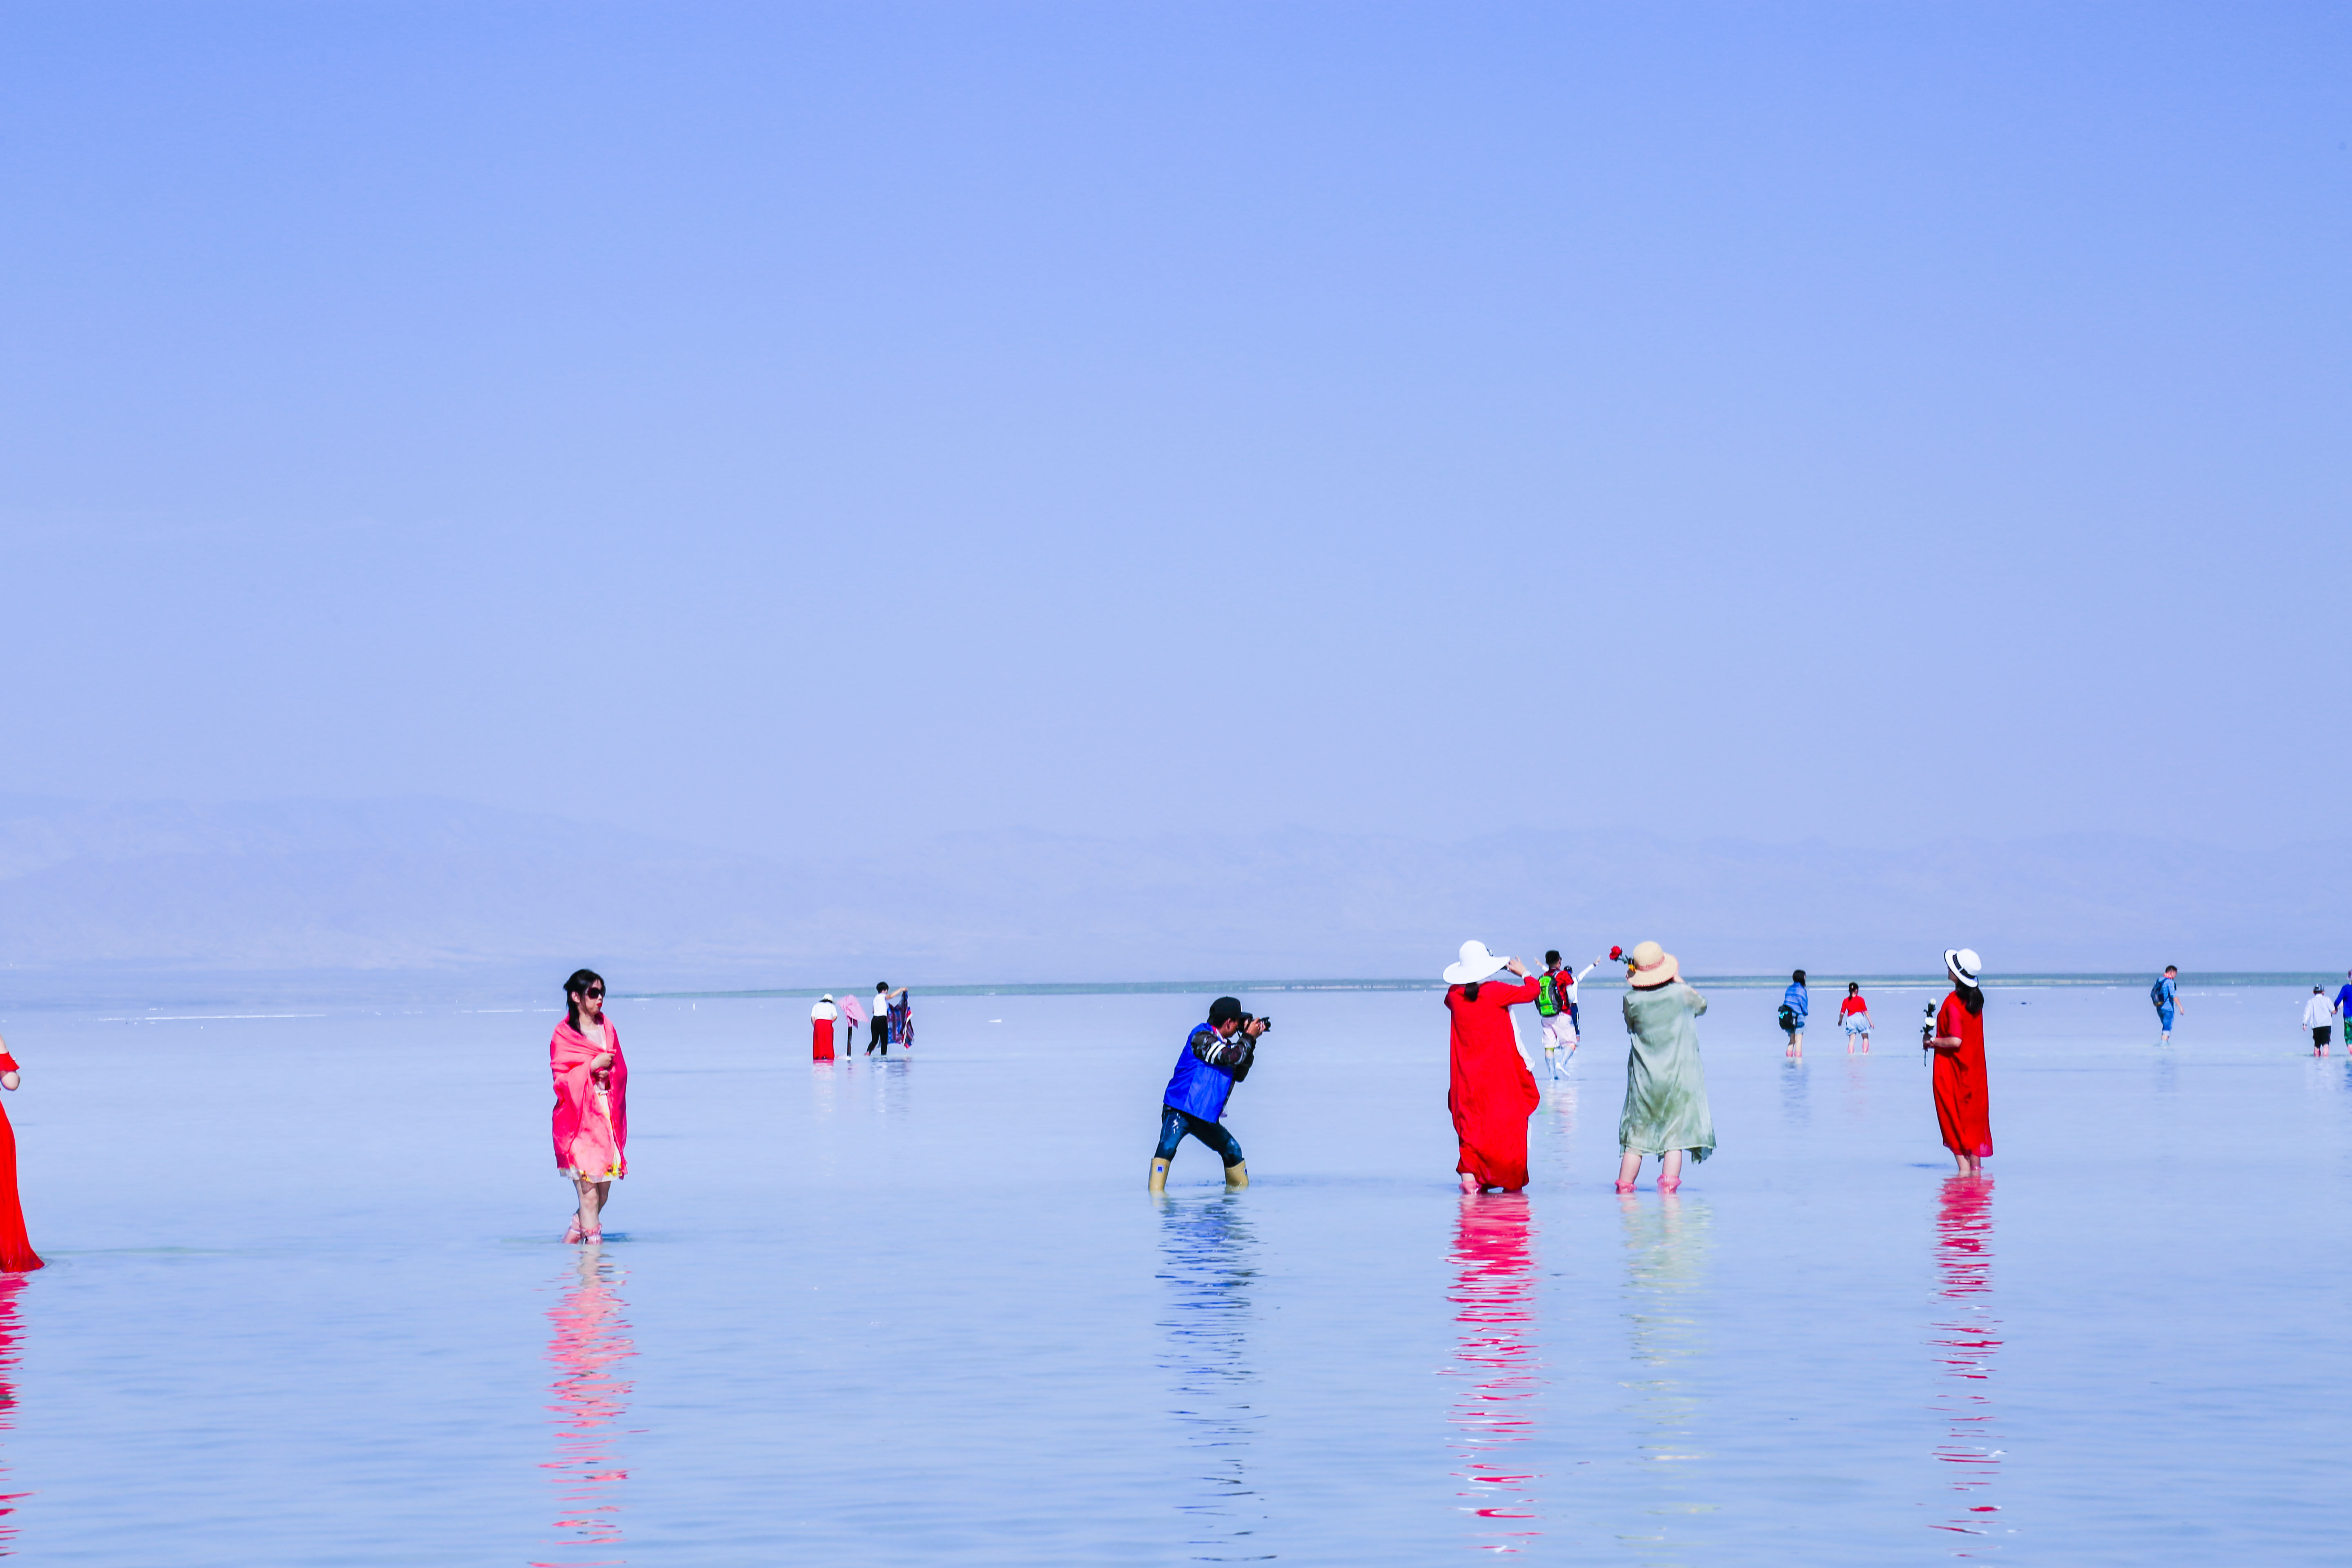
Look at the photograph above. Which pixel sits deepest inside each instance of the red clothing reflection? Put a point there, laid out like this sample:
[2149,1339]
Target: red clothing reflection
[1492,1094]
[1494,1297]
[9,1330]
[591,1341]
[1968,1339]
[17,1253]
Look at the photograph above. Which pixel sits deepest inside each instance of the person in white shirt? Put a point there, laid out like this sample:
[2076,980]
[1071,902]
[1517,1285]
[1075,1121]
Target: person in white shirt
[2319,1018]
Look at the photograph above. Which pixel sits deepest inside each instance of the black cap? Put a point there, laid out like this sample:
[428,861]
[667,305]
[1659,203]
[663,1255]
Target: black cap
[1225,1010]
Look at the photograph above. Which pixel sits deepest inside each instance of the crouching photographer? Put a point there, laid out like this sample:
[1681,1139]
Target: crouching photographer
[1216,1056]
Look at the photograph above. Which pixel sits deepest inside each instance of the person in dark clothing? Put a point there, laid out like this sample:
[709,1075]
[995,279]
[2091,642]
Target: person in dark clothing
[1216,1056]
[878,1039]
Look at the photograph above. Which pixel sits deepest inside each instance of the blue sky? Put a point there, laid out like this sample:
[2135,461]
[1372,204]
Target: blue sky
[784,427]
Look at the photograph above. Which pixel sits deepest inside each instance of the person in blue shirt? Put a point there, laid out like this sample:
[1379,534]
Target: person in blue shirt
[2344,1005]
[1795,1003]
[1216,1056]
[2166,997]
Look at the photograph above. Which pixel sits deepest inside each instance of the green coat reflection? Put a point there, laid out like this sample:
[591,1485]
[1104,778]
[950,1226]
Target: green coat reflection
[1666,1088]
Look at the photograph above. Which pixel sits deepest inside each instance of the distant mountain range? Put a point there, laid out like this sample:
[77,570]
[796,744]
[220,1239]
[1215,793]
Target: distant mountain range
[411,884]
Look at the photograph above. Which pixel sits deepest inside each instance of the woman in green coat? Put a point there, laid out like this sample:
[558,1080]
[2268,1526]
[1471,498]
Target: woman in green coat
[1665,1089]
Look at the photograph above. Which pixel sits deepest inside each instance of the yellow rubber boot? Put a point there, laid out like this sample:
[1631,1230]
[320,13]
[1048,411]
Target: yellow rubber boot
[1237,1176]
[1159,1175]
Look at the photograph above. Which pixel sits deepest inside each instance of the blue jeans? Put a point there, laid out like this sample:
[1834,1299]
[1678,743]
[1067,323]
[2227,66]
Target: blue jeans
[1175,1123]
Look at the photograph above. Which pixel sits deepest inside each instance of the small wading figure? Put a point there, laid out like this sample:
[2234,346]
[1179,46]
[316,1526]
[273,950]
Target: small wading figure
[591,1103]
[1216,1056]
[1666,1109]
[879,1040]
[1796,1003]
[1491,1093]
[1853,1013]
[1963,1110]
[821,1019]
[2319,1018]
[2166,994]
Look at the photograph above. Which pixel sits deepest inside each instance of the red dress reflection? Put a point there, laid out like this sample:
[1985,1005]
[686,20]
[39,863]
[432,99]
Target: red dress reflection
[1967,1339]
[591,1341]
[1494,1295]
[9,1329]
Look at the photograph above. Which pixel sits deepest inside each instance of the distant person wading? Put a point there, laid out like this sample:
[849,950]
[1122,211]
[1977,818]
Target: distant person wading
[879,1040]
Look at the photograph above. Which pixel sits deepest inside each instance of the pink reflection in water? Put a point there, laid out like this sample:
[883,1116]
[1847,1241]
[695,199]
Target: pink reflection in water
[10,1285]
[1495,1295]
[590,1342]
[1968,1336]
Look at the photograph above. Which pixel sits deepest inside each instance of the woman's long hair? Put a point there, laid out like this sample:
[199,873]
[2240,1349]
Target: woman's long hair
[1470,992]
[1972,998]
[573,989]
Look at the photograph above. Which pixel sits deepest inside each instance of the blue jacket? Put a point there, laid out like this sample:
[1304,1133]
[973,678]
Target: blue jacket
[2344,1000]
[1206,1072]
[1796,1001]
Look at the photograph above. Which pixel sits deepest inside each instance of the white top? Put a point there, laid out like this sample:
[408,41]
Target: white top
[824,1010]
[2318,1012]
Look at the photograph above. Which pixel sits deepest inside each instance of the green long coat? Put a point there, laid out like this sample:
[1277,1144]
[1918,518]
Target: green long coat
[1666,1088]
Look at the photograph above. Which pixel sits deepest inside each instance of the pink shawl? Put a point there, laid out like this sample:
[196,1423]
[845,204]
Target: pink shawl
[852,1011]
[592,1130]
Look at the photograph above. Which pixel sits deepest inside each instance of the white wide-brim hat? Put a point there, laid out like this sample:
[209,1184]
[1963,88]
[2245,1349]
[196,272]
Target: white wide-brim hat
[1964,964]
[1477,965]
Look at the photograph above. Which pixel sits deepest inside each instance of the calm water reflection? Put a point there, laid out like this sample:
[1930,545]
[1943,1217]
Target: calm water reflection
[1209,1261]
[590,1342]
[1500,1358]
[1967,1337]
[1665,1276]
[11,1285]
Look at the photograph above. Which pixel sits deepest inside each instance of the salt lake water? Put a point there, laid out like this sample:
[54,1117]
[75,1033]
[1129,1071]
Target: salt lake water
[307,1303]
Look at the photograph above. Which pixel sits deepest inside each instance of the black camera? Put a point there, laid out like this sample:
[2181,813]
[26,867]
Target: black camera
[1263,1024]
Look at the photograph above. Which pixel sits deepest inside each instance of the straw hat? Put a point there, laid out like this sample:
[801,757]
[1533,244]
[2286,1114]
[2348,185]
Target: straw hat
[1653,966]
[1476,966]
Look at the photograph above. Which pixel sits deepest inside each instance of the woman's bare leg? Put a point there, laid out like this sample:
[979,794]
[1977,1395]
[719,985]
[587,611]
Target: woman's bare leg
[1628,1168]
[592,1201]
[1670,1166]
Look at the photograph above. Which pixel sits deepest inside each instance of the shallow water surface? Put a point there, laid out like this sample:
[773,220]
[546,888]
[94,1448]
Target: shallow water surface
[306,1304]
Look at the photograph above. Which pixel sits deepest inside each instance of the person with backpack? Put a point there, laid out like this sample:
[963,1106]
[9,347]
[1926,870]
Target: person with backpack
[1556,1005]
[2166,994]
[1853,1014]
[1796,1002]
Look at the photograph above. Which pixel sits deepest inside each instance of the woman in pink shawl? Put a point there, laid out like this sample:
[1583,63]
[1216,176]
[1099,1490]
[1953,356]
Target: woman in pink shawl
[591,1103]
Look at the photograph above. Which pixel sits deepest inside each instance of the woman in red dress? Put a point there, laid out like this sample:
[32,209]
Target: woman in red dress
[1963,1108]
[1492,1093]
[17,1253]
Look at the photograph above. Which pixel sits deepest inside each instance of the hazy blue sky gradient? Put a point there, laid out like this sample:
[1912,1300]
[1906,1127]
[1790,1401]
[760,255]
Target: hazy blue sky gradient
[1869,422]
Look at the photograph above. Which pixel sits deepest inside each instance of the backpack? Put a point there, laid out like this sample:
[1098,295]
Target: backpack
[1787,1019]
[2156,996]
[1548,994]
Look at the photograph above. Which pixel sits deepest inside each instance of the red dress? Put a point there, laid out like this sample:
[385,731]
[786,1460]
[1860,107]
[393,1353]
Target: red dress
[823,1049]
[1963,1108]
[1492,1093]
[17,1253]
